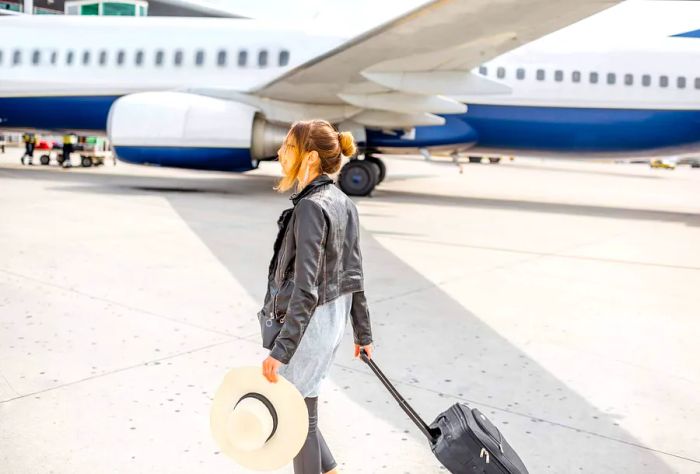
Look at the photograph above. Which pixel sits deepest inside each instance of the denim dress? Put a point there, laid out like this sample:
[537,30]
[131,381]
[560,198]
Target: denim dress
[317,348]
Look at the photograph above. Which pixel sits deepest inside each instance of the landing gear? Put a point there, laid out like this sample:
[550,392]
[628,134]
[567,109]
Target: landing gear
[494,160]
[359,177]
[380,165]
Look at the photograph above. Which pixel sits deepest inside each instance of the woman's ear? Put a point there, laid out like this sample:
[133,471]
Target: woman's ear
[313,159]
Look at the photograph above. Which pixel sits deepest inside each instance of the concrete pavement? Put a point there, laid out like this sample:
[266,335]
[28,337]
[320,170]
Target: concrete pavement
[559,298]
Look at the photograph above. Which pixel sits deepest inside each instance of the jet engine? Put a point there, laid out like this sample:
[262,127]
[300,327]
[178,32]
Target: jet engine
[191,131]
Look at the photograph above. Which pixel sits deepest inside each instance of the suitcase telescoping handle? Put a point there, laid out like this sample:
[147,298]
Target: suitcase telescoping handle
[402,402]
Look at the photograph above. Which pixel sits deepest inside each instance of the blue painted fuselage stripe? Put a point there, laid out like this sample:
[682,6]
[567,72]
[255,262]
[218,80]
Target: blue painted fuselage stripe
[688,34]
[199,158]
[554,129]
[56,113]
[581,129]
[557,129]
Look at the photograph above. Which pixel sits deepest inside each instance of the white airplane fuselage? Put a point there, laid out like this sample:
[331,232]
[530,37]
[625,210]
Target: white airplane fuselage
[65,73]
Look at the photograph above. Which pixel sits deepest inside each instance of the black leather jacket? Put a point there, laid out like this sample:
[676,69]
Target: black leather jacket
[316,259]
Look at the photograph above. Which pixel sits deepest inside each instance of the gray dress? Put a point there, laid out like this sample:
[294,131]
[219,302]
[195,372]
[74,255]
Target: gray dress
[314,356]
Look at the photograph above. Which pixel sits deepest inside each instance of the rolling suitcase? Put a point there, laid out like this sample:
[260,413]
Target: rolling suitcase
[462,438]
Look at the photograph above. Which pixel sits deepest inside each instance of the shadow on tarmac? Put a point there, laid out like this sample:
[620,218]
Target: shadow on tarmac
[254,185]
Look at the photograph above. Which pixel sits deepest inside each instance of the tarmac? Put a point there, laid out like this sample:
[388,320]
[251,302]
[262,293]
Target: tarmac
[560,298]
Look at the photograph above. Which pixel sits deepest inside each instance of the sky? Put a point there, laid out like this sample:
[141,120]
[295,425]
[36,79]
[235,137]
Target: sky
[345,16]
[632,24]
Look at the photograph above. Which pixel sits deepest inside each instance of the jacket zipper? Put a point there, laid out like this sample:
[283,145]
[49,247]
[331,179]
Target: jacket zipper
[281,259]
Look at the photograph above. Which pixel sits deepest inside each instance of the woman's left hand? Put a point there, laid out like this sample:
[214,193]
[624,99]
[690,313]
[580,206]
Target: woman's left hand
[270,367]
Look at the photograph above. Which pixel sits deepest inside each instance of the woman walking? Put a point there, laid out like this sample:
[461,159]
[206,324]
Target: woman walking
[315,282]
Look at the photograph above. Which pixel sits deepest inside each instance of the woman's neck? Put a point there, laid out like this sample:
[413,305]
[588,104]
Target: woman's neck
[312,175]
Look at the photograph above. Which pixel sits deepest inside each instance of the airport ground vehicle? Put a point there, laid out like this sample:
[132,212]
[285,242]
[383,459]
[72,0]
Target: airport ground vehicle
[663,164]
[91,150]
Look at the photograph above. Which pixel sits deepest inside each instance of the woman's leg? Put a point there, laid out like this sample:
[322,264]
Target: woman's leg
[308,460]
[327,461]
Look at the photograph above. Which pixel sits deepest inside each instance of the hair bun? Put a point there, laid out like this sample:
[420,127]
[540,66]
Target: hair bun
[347,143]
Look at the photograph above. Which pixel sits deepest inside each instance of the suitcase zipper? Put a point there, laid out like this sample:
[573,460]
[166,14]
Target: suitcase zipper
[484,451]
[498,442]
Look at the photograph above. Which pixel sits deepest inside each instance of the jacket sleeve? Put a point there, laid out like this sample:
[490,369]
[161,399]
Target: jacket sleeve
[310,230]
[359,314]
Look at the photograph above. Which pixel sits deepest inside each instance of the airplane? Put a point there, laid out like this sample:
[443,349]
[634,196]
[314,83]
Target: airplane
[219,94]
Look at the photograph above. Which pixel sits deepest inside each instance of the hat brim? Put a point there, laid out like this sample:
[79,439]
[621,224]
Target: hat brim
[292,418]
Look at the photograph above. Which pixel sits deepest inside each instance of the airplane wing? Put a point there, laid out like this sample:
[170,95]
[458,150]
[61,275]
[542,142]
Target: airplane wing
[398,74]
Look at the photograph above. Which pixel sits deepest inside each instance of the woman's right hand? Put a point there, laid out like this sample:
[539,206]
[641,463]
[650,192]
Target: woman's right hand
[367,348]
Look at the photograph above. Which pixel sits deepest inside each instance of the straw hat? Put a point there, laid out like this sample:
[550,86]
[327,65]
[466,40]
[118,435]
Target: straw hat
[261,425]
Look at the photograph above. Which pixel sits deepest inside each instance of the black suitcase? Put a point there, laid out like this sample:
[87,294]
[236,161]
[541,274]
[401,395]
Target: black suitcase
[462,438]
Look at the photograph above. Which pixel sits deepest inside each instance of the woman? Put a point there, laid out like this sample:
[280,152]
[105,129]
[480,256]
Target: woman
[315,276]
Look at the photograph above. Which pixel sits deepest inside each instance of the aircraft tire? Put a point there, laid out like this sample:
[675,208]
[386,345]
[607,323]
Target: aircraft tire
[358,177]
[380,165]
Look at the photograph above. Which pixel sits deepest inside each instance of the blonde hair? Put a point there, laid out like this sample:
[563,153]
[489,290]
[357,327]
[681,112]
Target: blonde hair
[319,136]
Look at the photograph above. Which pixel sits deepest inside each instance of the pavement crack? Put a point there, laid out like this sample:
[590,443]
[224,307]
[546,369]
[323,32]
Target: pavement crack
[543,254]
[525,415]
[7,382]
[121,305]
[115,371]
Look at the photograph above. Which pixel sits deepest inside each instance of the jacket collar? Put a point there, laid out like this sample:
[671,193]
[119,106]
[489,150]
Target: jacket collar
[319,180]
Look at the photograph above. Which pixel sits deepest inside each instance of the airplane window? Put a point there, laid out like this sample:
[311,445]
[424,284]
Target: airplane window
[69,57]
[610,78]
[17,57]
[593,78]
[120,57]
[36,56]
[483,70]
[284,57]
[697,82]
[242,57]
[663,81]
[501,72]
[680,82]
[629,79]
[646,80]
[103,57]
[86,57]
[159,57]
[221,58]
[559,76]
[520,73]
[540,75]
[138,58]
[177,59]
[199,57]
[54,56]
[576,76]
[262,58]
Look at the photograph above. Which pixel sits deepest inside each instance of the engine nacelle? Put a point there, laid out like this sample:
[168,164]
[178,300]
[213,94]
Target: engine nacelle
[191,131]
